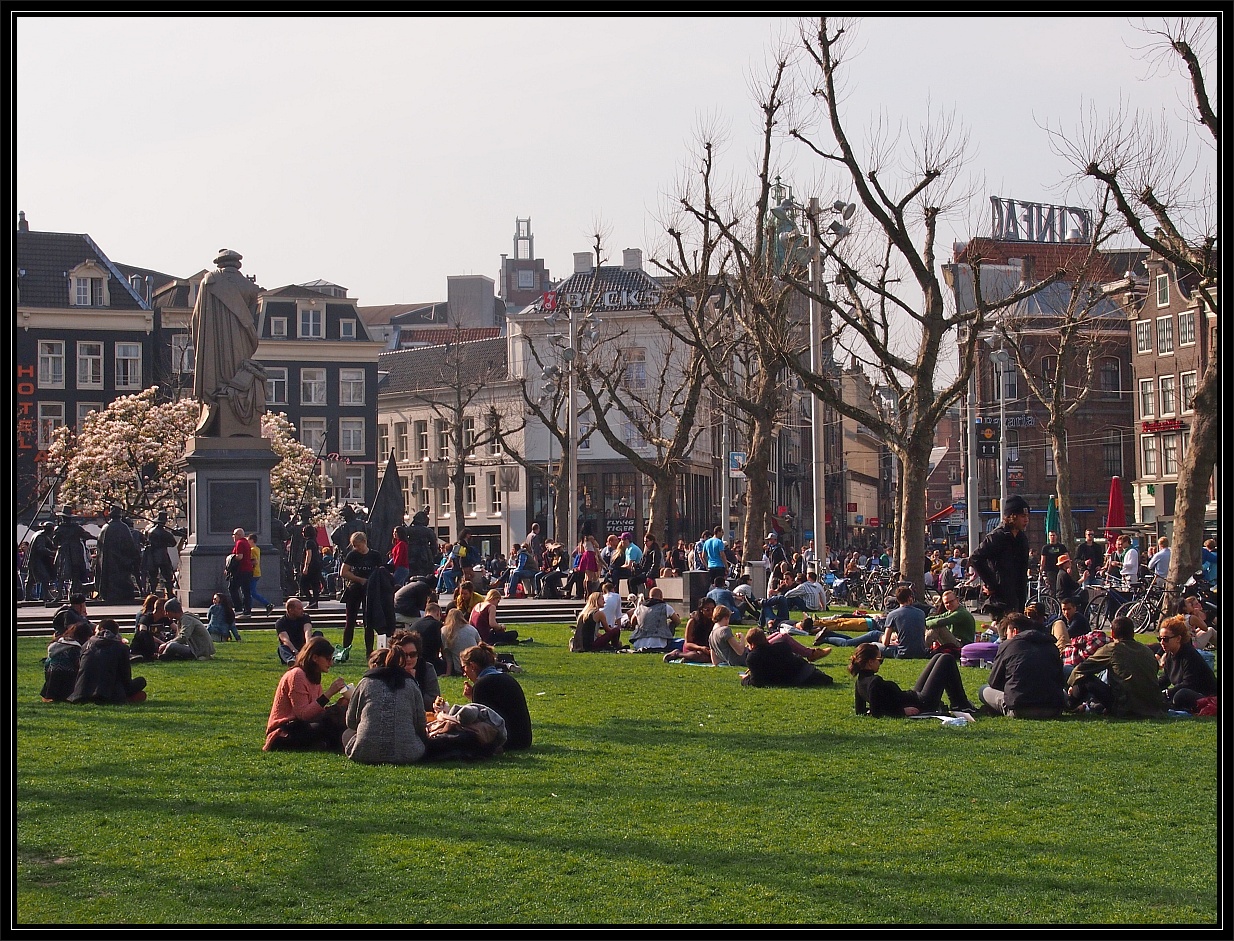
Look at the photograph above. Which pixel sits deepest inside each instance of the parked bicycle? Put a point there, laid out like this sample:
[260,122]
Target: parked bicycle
[1146,610]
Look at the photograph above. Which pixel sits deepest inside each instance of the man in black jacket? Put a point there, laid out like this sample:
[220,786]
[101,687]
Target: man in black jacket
[1002,561]
[1027,680]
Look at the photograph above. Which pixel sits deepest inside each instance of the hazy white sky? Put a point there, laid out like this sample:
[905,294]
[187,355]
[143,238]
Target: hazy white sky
[385,154]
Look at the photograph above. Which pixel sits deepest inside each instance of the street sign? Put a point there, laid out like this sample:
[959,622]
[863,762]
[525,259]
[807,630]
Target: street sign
[852,508]
[873,520]
[736,464]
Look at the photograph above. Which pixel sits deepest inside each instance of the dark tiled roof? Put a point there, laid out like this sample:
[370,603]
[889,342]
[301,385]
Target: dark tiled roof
[295,290]
[46,257]
[437,336]
[606,278]
[394,313]
[434,367]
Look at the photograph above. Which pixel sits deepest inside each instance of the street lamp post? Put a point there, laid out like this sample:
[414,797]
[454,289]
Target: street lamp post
[1001,360]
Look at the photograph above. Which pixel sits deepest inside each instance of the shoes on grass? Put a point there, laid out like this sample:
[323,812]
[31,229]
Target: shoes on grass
[342,655]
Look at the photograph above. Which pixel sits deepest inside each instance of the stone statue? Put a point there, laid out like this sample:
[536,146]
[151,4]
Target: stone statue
[227,381]
[72,564]
[156,557]
[341,535]
[42,565]
[423,549]
[119,557]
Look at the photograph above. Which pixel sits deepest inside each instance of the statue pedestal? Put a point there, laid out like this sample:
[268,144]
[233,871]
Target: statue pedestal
[228,486]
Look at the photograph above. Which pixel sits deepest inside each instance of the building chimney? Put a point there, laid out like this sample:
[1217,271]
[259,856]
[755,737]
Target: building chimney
[632,259]
[582,262]
[22,224]
[1026,269]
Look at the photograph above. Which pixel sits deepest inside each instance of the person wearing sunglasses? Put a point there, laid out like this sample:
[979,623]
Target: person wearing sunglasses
[878,697]
[1119,678]
[1185,676]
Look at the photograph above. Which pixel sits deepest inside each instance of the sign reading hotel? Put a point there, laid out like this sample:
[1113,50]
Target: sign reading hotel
[1014,221]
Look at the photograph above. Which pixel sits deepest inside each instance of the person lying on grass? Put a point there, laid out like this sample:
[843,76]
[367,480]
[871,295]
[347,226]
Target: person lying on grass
[776,664]
[879,697]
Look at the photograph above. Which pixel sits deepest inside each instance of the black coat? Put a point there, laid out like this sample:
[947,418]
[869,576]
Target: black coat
[1029,670]
[1002,563]
[104,673]
[379,601]
[1188,670]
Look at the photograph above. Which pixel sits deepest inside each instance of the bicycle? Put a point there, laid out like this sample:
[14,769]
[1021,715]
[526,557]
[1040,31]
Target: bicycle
[1145,611]
[1042,595]
[1105,600]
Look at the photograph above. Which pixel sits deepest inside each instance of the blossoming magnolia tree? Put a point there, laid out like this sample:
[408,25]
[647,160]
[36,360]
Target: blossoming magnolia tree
[128,455]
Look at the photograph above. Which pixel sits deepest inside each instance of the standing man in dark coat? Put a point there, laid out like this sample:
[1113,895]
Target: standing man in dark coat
[423,550]
[72,567]
[160,540]
[42,564]
[119,556]
[1002,560]
[341,536]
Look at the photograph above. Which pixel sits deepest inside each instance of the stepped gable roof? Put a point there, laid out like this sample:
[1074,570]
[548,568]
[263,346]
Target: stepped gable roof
[47,257]
[434,367]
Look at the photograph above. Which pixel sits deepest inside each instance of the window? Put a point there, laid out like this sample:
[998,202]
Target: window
[494,495]
[1189,381]
[400,440]
[351,387]
[1049,366]
[89,365]
[89,292]
[416,492]
[584,434]
[84,409]
[1163,290]
[1012,443]
[351,435]
[353,484]
[1011,385]
[276,385]
[1148,398]
[312,387]
[1168,404]
[383,442]
[526,279]
[635,365]
[443,494]
[51,417]
[182,354]
[494,444]
[313,434]
[443,440]
[631,431]
[417,486]
[128,366]
[1148,447]
[1169,453]
[311,324]
[1165,335]
[1143,336]
[1112,454]
[347,329]
[469,434]
[278,327]
[51,364]
[1186,328]
[1109,375]
[422,441]
[469,494]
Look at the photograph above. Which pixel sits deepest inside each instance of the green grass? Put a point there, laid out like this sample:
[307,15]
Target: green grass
[654,795]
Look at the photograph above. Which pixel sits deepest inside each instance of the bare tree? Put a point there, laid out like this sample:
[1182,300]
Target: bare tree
[1147,166]
[888,306]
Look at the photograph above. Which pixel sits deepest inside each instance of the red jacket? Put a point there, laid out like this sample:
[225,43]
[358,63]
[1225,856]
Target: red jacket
[245,552]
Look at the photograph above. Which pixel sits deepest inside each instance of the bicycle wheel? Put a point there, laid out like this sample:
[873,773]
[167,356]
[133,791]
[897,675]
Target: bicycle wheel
[1097,612]
[1141,615]
[1050,608]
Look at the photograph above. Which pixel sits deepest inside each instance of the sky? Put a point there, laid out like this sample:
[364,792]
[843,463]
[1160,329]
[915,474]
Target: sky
[386,154]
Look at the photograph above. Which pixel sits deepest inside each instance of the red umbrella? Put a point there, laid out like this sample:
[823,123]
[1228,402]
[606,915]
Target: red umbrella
[1116,515]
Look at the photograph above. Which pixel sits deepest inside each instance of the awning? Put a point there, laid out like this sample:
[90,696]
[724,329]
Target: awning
[946,511]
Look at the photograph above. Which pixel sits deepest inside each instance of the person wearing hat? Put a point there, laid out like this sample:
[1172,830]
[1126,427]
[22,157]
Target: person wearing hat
[774,553]
[42,570]
[72,567]
[1002,561]
[156,557]
[1065,584]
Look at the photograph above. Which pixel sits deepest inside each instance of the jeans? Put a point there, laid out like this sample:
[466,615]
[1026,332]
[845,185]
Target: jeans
[776,607]
[843,640]
[941,675]
[254,595]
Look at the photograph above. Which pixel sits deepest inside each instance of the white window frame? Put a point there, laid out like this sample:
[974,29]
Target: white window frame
[634,368]
[469,434]
[1169,454]
[1165,337]
[494,495]
[421,440]
[276,385]
[51,364]
[353,484]
[1187,389]
[1148,454]
[278,328]
[1162,285]
[183,355]
[90,364]
[311,323]
[470,496]
[1143,336]
[89,292]
[83,411]
[383,442]
[584,434]
[1168,394]
[1148,398]
[351,389]
[347,328]
[313,433]
[1186,337]
[351,435]
[443,494]
[51,417]
[400,441]
[133,372]
[312,386]
[443,439]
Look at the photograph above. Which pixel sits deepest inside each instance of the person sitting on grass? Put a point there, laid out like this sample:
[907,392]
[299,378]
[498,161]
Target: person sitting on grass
[727,649]
[488,685]
[879,697]
[771,664]
[1185,676]
[1131,685]
[421,669]
[302,717]
[1027,679]
[456,636]
[811,592]
[293,630]
[697,646]
[221,618]
[484,620]
[465,597]
[1070,624]
[105,674]
[62,661]
[904,628]
[385,717]
[655,623]
[192,640]
[592,631]
[952,617]
[1203,636]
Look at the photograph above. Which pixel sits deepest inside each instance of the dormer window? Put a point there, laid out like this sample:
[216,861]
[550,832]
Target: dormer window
[278,326]
[88,286]
[347,329]
[312,323]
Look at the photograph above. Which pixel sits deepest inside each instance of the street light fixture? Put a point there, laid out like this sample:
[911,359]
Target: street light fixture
[1002,361]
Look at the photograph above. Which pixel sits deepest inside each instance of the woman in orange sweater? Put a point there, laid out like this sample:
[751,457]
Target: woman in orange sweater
[302,717]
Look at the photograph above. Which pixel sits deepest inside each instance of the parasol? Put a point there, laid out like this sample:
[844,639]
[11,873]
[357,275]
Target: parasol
[1115,516]
[1051,517]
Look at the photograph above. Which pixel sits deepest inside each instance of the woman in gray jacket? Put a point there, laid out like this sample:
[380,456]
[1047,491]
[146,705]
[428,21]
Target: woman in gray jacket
[385,718]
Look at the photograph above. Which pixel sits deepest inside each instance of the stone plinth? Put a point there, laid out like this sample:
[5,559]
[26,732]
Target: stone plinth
[228,486]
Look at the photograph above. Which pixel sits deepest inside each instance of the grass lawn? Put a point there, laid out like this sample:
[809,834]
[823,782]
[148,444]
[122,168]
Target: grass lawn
[655,794]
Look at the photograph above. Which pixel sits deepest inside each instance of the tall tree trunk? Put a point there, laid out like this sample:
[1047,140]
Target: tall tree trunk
[1062,466]
[758,488]
[1193,477]
[660,520]
[915,470]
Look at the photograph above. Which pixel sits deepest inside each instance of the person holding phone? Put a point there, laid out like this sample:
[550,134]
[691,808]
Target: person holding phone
[302,717]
